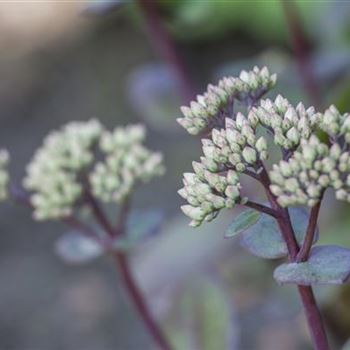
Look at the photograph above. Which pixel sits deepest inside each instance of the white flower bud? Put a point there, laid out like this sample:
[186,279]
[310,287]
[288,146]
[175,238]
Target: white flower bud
[195,213]
[293,135]
[249,155]
[261,144]
[232,192]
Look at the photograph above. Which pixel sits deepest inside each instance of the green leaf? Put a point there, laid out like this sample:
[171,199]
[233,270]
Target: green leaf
[264,238]
[140,226]
[242,222]
[75,248]
[326,265]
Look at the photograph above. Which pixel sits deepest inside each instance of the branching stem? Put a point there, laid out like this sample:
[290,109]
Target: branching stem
[313,315]
[304,252]
[98,213]
[131,287]
[135,294]
[262,208]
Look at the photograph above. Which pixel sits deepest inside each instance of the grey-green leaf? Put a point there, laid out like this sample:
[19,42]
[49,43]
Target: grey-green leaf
[326,265]
[140,226]
[75,248]
[242,222]
[264,238]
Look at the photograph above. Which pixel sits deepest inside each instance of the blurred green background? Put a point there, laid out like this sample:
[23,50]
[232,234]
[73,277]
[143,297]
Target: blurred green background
[63,61]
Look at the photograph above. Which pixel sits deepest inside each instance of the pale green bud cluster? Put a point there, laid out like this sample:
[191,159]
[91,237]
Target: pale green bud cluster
[335,124]
[209,109]
[215,184]
[4,176]
[52,175]
[58,175]
[314,167]
[289,124]
[309,166]
[237,146]
[126,161]
[207,193]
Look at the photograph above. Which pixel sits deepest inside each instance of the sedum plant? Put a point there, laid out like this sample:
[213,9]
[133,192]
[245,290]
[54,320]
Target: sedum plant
[238,129]
[79,169]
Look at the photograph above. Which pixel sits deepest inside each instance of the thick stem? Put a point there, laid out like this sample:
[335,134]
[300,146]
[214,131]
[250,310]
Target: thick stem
[304,252]
[313,315]
[283,219]
[130,285]
[285,225]
[301,50]
[140,303]
[166,47]
[314,318]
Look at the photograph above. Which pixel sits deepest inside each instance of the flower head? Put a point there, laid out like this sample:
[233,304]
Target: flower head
[207,193]
[65,167]
[211,108]
[234,146]
[335,124]
[126,161]
[289,124]
[309,172]
[215,184]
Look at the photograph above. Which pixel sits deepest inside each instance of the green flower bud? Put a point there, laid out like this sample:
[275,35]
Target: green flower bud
[232,192]
[261,144]
[195,213]
[249,155]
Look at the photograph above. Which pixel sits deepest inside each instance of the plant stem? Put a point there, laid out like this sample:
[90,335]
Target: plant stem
[166,47]
[99,214]
[262,208]
[314,318]
[140,304]
[313,315]
[301,50]
[304,252]
[128,280]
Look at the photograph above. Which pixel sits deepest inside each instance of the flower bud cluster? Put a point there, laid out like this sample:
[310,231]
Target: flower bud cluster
[336,124]
[237,146]
[215,184]
[52,175]
[4,176]
[314,167]
[58,174]
[209,109]
[207,193]
[289,124]
[126,161]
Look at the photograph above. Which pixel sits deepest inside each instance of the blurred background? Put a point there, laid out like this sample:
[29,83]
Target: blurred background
[138,61]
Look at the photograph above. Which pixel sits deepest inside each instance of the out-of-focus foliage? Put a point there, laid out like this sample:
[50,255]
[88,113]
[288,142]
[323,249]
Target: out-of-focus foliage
[264,20]
[347,346]
[153,93]
[76,248]
[204,318]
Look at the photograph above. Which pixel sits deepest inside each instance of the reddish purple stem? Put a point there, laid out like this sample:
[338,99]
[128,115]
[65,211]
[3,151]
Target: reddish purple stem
[166,47]
[301,49]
